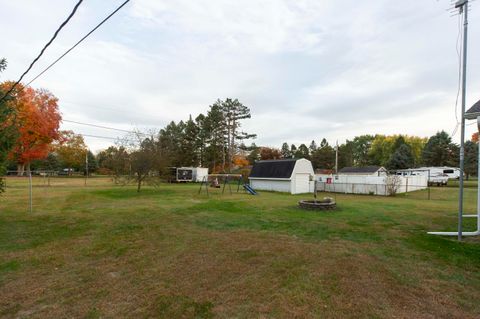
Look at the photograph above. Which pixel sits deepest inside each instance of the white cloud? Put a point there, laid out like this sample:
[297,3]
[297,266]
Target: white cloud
[308,69]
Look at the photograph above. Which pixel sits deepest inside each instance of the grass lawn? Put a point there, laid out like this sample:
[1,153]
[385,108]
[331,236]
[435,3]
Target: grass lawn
[104,251]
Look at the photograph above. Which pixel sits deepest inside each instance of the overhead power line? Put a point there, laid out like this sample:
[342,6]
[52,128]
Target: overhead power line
[103,127]
[80,41]
[64,23]
[104,137]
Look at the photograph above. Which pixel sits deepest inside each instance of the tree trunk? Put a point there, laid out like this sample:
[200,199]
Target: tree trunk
[20,169]
[139,185]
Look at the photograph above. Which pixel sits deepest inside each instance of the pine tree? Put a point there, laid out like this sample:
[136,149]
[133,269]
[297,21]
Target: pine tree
[313,147]
[233,112]
[302,152]
[402,158]
[286,151]
[293,151]
[189,144]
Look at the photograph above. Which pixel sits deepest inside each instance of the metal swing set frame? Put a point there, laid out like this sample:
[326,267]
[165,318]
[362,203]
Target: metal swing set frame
[226,180]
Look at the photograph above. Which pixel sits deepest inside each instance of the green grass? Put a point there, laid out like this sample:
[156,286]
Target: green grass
[108,251]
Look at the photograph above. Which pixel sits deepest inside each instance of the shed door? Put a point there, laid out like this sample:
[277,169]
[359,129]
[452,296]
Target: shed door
[302,183]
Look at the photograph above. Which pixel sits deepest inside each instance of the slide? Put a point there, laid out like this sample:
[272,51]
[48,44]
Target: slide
[249,189]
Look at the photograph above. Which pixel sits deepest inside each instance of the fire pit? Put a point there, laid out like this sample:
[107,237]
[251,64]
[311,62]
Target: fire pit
[326,204]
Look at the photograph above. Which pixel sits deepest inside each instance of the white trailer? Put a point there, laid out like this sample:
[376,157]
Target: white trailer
[199,173]
[437,175]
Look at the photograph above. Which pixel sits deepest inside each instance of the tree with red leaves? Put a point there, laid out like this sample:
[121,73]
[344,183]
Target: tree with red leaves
[37,120]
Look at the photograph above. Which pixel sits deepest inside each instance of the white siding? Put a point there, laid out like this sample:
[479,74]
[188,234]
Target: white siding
[298,183]
[301,183]
[271,185]
[356,184]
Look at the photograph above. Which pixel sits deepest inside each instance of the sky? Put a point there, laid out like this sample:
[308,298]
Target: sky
[307,69]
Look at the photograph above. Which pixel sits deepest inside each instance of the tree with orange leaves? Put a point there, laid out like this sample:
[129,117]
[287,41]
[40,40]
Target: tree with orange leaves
[37,120]
[475,137]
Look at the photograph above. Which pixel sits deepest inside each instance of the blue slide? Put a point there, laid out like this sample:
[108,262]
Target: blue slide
[249,189]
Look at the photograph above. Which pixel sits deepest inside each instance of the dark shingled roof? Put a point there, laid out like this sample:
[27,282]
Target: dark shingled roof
[473,112]
[364,169]
[273,168]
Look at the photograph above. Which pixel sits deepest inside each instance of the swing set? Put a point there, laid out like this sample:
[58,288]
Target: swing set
[211,180]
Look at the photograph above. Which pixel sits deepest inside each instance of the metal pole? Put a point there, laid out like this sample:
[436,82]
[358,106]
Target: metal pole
[428,184]
[336,158]
[462,133]
[478,181]
[31,191]
[86,167]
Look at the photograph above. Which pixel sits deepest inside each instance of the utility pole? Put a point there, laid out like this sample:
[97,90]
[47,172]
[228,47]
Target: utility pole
[462,6]
[86,167]
[336,158]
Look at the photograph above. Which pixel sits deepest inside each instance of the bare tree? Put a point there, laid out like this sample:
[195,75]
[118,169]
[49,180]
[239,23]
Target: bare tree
[393,183]
[147,161]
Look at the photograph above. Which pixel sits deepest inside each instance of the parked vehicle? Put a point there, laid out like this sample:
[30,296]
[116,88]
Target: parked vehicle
[437,175]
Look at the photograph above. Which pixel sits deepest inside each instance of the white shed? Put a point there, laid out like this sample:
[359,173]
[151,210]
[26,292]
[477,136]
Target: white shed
[288,175]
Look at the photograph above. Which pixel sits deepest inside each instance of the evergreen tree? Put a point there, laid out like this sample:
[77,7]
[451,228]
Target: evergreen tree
[313,147]
[233,112]
[190,144]
[345,155]
[201,140]
[215,133]
[402,158]
[324,157]
[293,151]
[439,150]
[302,152]
[254,154]
[285,151]
[471,159]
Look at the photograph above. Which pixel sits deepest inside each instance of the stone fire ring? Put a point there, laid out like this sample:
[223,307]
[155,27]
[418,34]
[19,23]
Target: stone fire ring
[317,205]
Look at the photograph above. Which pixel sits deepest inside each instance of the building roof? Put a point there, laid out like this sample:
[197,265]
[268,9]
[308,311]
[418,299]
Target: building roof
[473,112]
[273,168]
[360,170]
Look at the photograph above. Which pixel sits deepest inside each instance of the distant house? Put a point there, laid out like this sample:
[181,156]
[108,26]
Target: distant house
[324,171]
[293,176]
[364,171]
[473,112]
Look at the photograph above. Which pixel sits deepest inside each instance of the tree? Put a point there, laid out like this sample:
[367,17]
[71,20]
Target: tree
[285,151]
[92,162]
[471,159]
[475,137]
[439,150]
[402,158]
[202,137]
[189,144]
[345,155]
[302,152]
[36,118]
[171,139]
[114,160]
[269,153]
[313,147]
[71,150]
[8,131]
[233,112]
[50,163]
[254,154]
[216,136]
[361,147]
[383,147]
[147,161]
[293,150]
[324,156]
